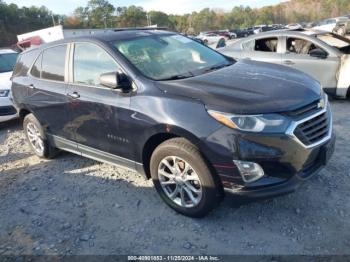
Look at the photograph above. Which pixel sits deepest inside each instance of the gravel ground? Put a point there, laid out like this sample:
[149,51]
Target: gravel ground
[72,205]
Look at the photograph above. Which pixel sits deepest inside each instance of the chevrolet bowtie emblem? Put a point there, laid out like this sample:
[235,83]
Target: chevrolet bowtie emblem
[321,104]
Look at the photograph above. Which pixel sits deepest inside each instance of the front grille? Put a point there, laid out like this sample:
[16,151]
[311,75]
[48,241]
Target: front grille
[305,110]
[313,130]
[7,110]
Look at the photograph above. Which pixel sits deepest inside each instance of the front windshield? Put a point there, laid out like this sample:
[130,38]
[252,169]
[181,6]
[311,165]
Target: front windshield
[170,56]
[334,40]
[7,62]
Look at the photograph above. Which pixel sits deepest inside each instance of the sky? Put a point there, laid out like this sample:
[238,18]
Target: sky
[168,6]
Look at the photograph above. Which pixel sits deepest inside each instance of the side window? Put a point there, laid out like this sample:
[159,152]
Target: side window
[300,46]
[36,69]
[53,63]
[266,44]
[91,61]
[249,46]
[24,62]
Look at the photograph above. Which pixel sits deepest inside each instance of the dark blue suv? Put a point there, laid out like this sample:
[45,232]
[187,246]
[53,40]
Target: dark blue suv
[198,123]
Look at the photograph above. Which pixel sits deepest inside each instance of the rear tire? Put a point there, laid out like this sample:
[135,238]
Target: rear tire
[178,167]
[37,139]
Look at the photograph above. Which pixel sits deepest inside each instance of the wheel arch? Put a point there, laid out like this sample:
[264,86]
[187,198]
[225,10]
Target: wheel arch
[167,133]
[23,112]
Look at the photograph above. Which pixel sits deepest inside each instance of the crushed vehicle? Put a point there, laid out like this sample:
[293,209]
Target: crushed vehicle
[7,62]
[324,56]
[198,123]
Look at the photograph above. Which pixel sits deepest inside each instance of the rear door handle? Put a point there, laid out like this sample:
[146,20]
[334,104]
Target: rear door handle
[73,95]
[288,62]
[31,86]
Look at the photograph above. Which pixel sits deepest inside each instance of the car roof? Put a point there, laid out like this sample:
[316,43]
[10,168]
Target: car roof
[109,35]
[292,32]
[7,51]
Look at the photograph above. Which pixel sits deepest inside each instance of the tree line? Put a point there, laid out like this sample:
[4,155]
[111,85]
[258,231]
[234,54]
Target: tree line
[102,14]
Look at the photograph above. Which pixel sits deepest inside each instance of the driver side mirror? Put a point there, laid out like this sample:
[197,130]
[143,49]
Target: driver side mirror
[115,80]
[318,53]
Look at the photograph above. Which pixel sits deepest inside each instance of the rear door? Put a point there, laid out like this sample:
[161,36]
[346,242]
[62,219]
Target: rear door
[98,114]
[47,88]
[266,49]
[296,55]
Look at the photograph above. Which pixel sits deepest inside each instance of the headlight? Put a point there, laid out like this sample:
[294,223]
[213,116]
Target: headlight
[270,123]
[4,93]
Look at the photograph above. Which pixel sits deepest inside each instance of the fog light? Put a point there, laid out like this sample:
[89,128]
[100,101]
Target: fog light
[250,171]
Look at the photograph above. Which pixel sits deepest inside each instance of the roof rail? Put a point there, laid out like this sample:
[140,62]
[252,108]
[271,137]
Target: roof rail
[139,28]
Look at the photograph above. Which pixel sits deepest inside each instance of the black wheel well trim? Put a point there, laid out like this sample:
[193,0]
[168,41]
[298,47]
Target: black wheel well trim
[23,112]
[156,139]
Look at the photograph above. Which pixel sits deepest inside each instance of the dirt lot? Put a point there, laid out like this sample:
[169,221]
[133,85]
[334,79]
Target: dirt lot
[72,205]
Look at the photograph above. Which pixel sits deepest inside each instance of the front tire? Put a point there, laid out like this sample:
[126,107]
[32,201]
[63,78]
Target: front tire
[183,179]
[36,138]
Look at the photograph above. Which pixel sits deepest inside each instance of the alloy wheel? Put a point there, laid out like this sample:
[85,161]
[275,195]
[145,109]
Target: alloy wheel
[34,137]
[180,181]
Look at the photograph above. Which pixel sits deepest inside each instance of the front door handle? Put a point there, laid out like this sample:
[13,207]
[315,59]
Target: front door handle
[31,86]
[73,95]
[288,62]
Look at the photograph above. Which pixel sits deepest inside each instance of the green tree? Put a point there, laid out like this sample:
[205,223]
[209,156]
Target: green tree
[132,16]
[100,13]
[160,19]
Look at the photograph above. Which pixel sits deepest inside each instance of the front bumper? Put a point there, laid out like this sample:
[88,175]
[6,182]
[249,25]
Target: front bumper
[289,185]
[325,152]
[286,160]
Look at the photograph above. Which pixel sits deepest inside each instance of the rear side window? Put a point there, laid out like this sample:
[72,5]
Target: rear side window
[53,63]
[266,44]
[91,61]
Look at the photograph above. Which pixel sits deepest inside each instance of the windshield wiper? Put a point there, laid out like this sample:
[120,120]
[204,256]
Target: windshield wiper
[177,77]
[216,67]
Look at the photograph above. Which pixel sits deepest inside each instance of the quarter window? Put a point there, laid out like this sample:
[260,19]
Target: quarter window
[36,69]
[53,63]
[91,61]
[249,46]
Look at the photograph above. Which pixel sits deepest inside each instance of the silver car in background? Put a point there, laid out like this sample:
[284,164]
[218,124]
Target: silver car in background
[323,55]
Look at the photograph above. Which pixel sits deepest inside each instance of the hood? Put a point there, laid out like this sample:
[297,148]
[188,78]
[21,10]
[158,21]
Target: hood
[248,87]
[5,82]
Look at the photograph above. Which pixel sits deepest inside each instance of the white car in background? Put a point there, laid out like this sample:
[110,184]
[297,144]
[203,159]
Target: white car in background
[212,40]
[8,59]
[333,25]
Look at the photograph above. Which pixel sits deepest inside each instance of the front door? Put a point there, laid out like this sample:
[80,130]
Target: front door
[297,56]
[98,114]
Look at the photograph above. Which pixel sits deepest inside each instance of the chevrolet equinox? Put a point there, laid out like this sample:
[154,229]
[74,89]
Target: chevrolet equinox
[196,122]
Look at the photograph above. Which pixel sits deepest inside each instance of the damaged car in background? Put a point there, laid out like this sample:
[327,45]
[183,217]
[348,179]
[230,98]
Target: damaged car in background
[322,55]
